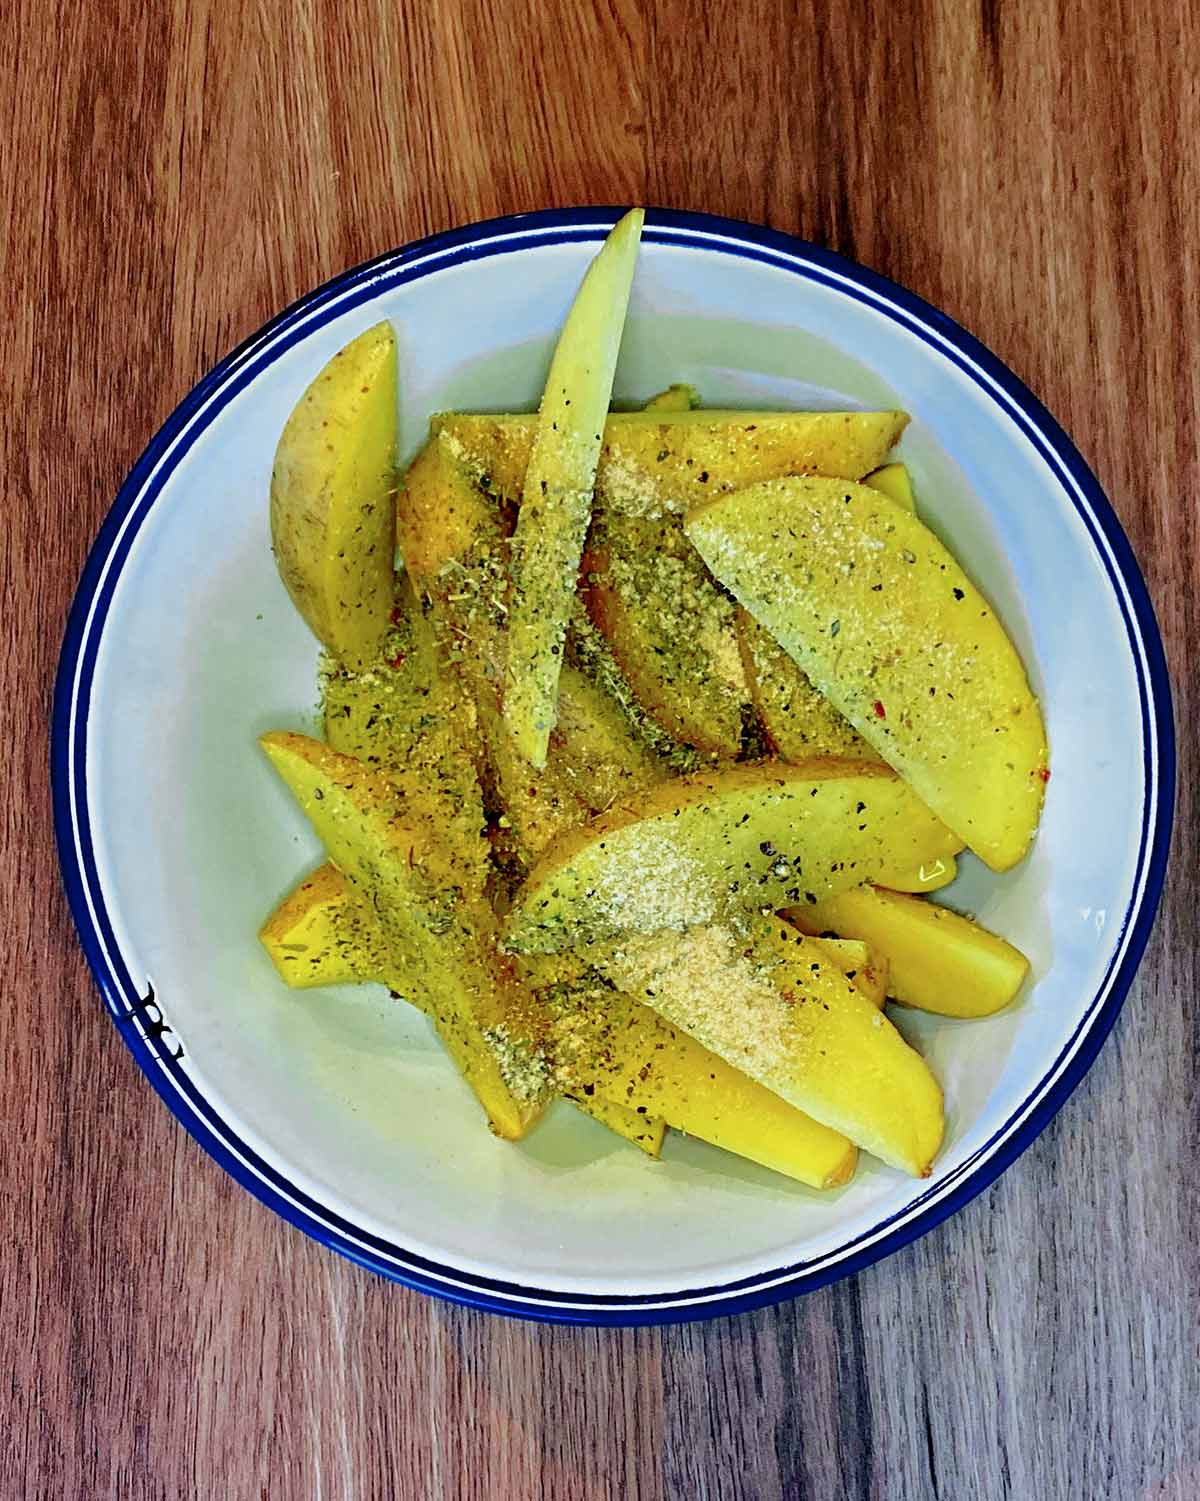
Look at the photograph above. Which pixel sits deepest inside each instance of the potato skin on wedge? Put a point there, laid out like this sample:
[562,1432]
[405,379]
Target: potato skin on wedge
[331,497]
[889,628]
[715,845]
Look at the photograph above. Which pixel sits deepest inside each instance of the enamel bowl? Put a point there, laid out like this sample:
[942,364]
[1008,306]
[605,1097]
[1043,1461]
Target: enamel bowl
[336,1107]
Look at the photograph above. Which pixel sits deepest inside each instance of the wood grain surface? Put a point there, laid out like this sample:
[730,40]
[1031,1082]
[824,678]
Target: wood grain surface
[171,173]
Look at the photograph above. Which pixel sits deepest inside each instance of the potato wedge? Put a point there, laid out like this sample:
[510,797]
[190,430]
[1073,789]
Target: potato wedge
[556,496]
[800,722]
[888,627]
[937,960]
[405,713]
[610,1043]
[654,463]
[715,845]
[645,1132]
[677,398]
[588,649]
[775,1008]
[320,935]
[865,967]
[593,747]
[670,630]
[439,932]
[452,536]
[894,481]
[332,488]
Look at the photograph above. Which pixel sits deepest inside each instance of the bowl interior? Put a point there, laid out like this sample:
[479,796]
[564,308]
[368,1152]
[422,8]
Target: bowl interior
[345,1092]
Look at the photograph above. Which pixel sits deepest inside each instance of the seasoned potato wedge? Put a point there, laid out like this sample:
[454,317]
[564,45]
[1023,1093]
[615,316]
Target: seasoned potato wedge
[894,481]
[645,1132]
[711,845]
[670,630]
[775,1008]
[593,747]
[556,494]
[937,960]
[614,1058]
[800,722]
[888,627]
[331,498]
[321,935]
[404,713]
[452,536]
[439,933]
[610,1043]
[652,463]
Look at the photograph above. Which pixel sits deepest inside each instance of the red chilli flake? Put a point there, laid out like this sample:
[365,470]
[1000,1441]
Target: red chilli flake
[880,711]
[1044,773]
[397,660]
[397,615]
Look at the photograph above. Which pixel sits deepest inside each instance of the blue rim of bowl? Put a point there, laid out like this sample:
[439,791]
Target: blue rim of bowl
[135,1013]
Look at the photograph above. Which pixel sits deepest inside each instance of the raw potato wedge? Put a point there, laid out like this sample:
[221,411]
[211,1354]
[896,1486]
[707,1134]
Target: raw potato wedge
[331,498]
[888,627]
[556,496]
[774,1007]
[894,481]
[716,845]
[670,630]
[589,650]
[937,960]
[610,1043]
[653,463]
[647,1133]
[453,539]
[405,713]
[677,398]
[439,935]
[593,747]
[321,935]
[799,721]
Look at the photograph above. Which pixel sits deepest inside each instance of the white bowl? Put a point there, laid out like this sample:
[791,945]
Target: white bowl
[337,1108]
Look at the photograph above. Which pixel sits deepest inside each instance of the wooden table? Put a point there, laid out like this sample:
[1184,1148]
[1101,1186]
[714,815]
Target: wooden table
[171,174]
